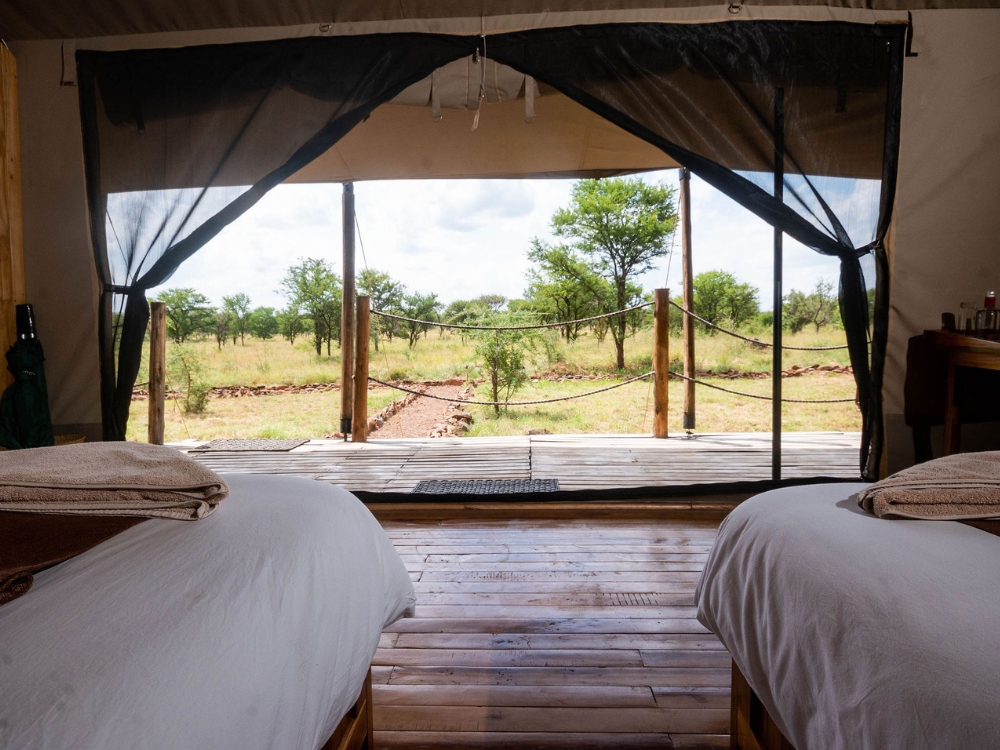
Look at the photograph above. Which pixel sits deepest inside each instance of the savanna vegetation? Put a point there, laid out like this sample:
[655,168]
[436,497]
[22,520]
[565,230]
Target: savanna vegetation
[613,230]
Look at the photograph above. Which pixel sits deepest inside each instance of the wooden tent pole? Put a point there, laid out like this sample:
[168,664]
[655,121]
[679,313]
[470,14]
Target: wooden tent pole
[12,291]
[779,296]
[688,273]
[157,371]
[661,360]
[359,431]
[347,316]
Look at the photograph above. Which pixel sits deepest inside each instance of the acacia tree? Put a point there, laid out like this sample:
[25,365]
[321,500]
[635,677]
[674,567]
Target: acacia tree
[622,225]
[720,297]
[263,324]
[290,323]
[312,287]
[188,311]
[419,307]
[818,308]
[564,287]
[238,306]
[223,319]
[387,296]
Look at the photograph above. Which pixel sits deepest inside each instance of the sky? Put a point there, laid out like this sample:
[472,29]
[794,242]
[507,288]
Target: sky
[464,238]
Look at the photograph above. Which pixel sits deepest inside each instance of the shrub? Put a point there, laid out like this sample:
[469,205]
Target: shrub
[186,369]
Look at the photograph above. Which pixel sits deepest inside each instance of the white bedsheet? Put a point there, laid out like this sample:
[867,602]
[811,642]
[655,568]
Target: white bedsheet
[253,628]
[859,632]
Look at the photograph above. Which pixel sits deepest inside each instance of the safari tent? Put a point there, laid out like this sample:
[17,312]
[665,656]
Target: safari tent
[939,241]
[134,131]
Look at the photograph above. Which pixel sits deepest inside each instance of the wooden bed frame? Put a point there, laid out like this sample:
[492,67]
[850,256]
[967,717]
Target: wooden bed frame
[751,727]
[355,731]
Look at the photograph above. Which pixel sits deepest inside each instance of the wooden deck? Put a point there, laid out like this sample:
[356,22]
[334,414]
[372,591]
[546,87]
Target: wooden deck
[552,634]
[579,462]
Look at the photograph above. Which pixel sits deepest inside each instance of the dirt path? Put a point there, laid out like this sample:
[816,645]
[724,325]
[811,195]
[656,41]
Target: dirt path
[417,418]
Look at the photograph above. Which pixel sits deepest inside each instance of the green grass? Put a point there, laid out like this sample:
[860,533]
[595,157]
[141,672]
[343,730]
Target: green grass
[629,409]
[290,415]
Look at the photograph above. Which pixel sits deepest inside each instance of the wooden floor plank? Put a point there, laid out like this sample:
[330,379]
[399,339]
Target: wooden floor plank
[579,462]
[548,633]
[549,719]
[547,741]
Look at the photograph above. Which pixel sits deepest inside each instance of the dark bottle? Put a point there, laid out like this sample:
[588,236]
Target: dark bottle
[25,317]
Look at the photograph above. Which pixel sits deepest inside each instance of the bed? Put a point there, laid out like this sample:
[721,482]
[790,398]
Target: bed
[253,628]
[849,631]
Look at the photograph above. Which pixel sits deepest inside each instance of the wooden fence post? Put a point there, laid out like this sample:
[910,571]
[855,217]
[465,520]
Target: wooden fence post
[157,370]
[359,425]
[661,360]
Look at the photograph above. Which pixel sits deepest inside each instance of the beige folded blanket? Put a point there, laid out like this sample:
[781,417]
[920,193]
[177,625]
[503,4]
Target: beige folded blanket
[109,479]
[954,488]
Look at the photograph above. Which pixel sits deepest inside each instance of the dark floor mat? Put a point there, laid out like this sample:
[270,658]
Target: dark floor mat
[249,445]
[485,486]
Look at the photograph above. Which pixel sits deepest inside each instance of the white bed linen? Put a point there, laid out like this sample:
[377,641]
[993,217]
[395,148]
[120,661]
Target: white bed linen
[859,632]
[253,628]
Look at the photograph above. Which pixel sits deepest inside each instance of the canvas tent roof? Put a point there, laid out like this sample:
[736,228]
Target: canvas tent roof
[62,19]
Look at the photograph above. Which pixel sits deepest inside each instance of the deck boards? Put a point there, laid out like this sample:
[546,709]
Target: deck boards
[579,462]
[516,645]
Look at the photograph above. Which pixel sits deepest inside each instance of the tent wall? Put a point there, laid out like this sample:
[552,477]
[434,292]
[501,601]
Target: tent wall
[60,278]
[946,244]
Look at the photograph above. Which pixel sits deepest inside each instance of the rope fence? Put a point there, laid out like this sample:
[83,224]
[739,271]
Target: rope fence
[758,342]
[532,327]
[645,375]
[763,398]
[591,319]
[512,403]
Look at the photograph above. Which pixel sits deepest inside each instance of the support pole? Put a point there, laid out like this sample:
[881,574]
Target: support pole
[688,321]
[12,291]
[157,371]
[661,360]
[779,297]
[347,317]
[359,430]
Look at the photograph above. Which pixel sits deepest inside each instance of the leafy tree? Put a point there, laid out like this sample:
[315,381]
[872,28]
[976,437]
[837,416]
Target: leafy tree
[621,224]
[238,305]
[563,287]
[818,308]
[503,354]
[290,323]
[491,302]
[721,298]
[420,307]
[262,322]
[188,312]
[387,296]
[313,288]
[223,320]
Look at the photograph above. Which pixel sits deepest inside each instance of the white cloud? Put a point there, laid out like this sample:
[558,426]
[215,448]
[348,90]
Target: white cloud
[463,238]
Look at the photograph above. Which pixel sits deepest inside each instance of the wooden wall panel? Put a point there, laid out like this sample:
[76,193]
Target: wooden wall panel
[11,228]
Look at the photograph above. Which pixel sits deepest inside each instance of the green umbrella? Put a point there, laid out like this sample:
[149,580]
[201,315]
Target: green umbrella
[25,421]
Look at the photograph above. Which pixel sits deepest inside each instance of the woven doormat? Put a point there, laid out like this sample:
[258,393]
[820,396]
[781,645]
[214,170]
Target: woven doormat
[485,486]
[249,445]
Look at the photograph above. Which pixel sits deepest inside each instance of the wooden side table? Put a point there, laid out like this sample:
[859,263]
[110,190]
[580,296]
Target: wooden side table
[963,351]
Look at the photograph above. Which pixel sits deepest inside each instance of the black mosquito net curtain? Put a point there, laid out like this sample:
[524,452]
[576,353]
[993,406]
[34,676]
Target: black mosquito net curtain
[180,142]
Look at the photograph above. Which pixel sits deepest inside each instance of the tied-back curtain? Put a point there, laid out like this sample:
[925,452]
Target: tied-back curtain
[815,105]
[181,142]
